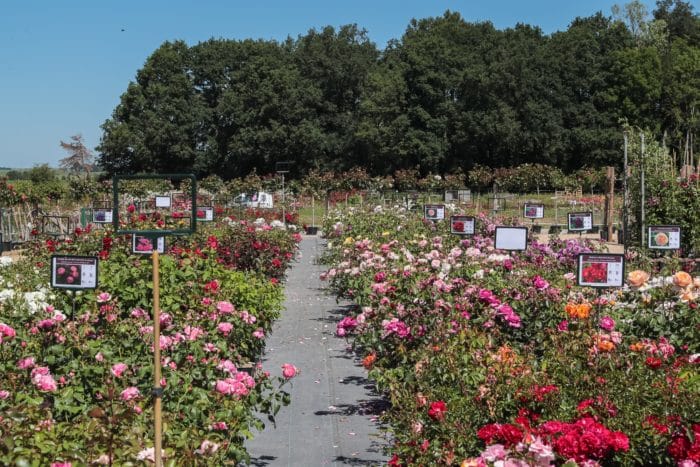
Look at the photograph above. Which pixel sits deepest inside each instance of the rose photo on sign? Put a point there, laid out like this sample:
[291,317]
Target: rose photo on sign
[68,275]
[595,273]
[102,216]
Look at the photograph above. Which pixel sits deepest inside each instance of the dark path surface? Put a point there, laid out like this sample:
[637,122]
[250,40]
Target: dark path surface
[332,417]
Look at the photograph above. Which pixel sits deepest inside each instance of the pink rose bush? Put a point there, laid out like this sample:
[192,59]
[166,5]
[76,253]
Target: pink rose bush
[82,363]
[495,358]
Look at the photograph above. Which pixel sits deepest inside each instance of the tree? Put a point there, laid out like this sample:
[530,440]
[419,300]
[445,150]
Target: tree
[79,157]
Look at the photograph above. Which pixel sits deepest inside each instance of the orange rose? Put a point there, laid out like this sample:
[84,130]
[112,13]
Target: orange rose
[682,279]
[687,297]
[605,346]
[637,278]
[368,361]
[638,347]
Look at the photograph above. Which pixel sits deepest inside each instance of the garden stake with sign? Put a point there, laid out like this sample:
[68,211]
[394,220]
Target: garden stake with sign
[157,390]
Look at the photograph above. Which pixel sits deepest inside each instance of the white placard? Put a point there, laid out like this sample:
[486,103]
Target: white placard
[601,270]
[74,272]
[434,212]
[102,216]
[205,213]
[664,237]
[462,225]
[580,221]
[511,238]
[533,211]
[163,201]
[143,245]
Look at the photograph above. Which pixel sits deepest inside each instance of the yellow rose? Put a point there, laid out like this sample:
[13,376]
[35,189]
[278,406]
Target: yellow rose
[348,241]
[682,279]
[637,278]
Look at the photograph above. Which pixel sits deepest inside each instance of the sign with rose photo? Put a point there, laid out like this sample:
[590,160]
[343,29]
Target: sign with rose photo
[664,237]
[205,214]
[580,221]
[434,212]
[601,270]
[533,211]
[462,225]
[145,245]
[74,272]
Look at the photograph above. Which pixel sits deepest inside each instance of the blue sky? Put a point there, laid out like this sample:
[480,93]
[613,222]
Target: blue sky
[64,64]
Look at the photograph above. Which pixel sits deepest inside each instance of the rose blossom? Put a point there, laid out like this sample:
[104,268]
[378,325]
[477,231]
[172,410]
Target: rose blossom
[130,393]
[26,363]
[289,371]
[45,383]
[682,279]
[225,328]
[103,297]
[4,394]
[637,278]
[607,323]
[118,369]
[225,307]
[219,426]
[259,333]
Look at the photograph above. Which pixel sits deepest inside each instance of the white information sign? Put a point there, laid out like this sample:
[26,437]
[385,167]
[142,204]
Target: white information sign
[601,270]
[580,221]
[511,238]
[74,272]
[163,201]
[664,237]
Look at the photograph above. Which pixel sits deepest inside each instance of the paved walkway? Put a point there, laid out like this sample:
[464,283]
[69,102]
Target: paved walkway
[332,417]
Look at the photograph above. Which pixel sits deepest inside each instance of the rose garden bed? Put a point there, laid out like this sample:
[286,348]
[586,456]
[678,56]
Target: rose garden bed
[76,367]
[497,358]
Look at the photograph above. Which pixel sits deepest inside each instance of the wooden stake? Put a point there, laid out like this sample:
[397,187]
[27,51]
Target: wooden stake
[157,390]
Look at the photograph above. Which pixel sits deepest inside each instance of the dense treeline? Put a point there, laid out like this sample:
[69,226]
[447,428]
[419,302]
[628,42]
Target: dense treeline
[447,95]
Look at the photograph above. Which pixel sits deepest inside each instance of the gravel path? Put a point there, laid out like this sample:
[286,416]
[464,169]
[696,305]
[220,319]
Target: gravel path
[332,417]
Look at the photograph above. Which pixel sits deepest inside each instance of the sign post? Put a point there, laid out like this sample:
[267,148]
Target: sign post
[154,234]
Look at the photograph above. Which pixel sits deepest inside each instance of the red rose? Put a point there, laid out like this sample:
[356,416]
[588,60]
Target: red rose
[437,410]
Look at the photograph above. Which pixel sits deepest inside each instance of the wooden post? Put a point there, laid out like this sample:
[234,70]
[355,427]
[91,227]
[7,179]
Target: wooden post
[609,202]
[157,390]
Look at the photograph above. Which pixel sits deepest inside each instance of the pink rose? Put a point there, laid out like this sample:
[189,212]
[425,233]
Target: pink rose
[225,307]
[26,363]
[103,297]
[289,371]
[99,357]
[45,383]
[4,394]
[259,333]
[130,393]
[6,331]
[118,369]
[607,323]
[219,426]
[225,328]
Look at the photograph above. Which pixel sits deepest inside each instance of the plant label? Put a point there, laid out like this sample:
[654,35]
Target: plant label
[664,237]
[74,272]
[163,201]
[102,215]
[205,213]
[580,221]
[600,270]
[144,245]
[533,211]
[434,212]
[511,238]
[462,225]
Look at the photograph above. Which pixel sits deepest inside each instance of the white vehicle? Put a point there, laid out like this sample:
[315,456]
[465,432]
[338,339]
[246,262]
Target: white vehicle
[260,199]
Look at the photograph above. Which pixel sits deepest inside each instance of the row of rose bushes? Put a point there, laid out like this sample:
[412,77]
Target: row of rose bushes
[496,358]
[76,368]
